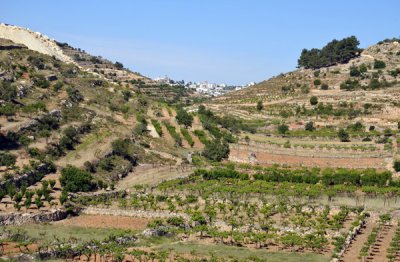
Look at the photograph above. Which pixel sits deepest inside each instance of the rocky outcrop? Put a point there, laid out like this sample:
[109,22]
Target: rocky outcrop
[34,41]
[17,219]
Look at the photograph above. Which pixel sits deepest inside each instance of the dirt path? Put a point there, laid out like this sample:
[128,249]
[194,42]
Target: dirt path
[378,250]
[353,251]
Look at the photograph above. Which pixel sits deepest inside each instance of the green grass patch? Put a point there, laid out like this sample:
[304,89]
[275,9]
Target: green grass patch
[240,253]
[201,135]
[172,131]
[157,126]
[49,232]
[187,136]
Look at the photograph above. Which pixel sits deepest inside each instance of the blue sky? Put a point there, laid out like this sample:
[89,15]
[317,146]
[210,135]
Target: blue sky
[230,41]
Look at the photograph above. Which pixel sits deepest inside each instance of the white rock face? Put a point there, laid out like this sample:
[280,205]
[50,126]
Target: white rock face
[34,41]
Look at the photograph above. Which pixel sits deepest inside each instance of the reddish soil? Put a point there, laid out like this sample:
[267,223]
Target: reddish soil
[11,248]
[378,250]
[353,251]
[264,158]
[104,221]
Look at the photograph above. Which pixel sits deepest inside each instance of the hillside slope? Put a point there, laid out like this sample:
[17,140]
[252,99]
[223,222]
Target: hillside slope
[34,41]
[41,43]
[292,83]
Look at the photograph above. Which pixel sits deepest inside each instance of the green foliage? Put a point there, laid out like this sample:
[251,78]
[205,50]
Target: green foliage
[157,126]
[58,86]
[7,159]
[172,131]
[119,65]
[127,94]
[141,129]
[74,94]
[350,85]
[313,100]
[41,81]
[317,82]
[216,150]
[343,135]
[378,64]
[70,138]
[34,107]
[187,136]
[219,173]
[374,84]
[125,149]
[356,127]
[334,52]
[260,105]
[210,122]
[184,118]
[309,126]
[8,92]
[324,87]
[396,165]
[8,109]
[106,164]
[283,129]
[354,71]
[74,179]
[201,135]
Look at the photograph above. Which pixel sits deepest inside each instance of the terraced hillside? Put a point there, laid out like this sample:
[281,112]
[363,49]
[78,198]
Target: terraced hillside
[56,116]
[98,163]
[359,97]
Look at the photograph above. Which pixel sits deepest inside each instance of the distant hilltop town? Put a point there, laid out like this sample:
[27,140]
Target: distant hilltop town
[206,88]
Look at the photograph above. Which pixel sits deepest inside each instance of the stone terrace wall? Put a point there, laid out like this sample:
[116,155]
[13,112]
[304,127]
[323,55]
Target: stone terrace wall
[17,219]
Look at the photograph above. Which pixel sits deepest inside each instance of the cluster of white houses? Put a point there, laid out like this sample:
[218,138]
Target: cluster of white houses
[205,87]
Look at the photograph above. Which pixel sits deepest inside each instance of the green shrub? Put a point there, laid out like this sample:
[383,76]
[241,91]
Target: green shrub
[313,100]
[7,159]
[157,126]
[378,64]
[187,136]
[184,118]
[396,165]
[57,86]
[343,135]
[8,92]
[8,109]
[74,179]
[350,84]
[354,71]
[119,65]
[41,81]
[125,149]
[172,131]
[201,135]
[309,126]
[141,129]
[334,52]
[260,105]
[324,87]
[283,129]
[216,150]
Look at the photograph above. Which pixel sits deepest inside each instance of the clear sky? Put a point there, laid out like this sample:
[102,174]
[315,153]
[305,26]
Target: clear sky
[230,41]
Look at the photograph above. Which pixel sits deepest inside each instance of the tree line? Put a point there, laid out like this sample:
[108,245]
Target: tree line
[336,51]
